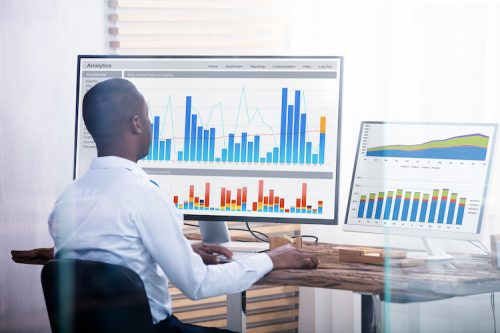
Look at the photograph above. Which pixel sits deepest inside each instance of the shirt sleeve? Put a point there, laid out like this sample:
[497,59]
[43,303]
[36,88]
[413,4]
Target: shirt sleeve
[160,226]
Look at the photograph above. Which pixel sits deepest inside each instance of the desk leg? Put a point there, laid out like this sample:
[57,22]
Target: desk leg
[237,312]
[371,314]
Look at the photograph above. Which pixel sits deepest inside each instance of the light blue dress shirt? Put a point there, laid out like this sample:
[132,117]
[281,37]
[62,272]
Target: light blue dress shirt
[114,214]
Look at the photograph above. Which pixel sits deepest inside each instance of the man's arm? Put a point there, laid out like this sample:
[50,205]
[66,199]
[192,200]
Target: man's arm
[159,225]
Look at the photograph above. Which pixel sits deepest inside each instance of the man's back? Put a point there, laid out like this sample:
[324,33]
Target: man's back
[95,219]
[115,214]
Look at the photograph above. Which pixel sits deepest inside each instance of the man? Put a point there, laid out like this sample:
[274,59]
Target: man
[115,214]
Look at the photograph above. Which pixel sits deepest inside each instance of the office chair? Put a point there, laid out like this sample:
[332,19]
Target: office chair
[88,296]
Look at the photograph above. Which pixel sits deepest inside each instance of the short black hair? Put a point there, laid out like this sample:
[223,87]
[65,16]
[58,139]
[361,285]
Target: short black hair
[108,106]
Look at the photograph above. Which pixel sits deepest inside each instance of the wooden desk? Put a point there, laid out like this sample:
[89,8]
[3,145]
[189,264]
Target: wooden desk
[461,276]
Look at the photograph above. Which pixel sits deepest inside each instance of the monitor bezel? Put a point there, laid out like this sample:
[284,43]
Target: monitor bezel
[194,217]
[415,232]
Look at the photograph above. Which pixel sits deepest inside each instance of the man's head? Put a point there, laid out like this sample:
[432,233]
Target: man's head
[116,115]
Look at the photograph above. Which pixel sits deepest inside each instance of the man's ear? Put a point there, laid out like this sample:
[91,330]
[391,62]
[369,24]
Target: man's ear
[136,125]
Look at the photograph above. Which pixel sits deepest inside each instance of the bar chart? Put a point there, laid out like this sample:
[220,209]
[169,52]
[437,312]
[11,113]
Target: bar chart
[199,142]
[436,206]
[424,183]
[259,199]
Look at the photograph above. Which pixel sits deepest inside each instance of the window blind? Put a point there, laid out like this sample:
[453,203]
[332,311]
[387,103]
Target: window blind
[206,27]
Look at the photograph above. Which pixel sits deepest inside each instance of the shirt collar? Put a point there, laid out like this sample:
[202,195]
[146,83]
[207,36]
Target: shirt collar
[115,162]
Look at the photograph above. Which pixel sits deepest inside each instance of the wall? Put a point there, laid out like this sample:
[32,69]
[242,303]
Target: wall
[39,42]
[408,61]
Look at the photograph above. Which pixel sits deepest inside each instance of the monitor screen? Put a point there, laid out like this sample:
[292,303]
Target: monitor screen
[234,138]
[421,178]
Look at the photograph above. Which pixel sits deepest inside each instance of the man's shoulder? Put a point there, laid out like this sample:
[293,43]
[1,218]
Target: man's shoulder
[119,183]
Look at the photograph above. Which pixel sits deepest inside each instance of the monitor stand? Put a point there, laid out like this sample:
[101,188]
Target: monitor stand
[434,251]
[216,232]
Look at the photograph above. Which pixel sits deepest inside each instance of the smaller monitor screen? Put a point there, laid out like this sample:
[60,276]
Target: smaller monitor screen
[420,178]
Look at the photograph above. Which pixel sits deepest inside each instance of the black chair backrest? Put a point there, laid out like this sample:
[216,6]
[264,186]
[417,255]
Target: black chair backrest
[88,296]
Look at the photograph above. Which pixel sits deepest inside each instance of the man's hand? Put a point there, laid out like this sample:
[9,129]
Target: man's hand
[209,252]
[287,256]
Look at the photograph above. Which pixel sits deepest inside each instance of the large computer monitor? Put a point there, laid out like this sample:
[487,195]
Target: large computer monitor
[234,138]
[421,179]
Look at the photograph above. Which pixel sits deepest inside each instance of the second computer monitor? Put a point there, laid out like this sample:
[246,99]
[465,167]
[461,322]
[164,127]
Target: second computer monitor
[421,179]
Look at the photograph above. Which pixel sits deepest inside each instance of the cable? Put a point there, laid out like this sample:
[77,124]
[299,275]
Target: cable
[255,234]
[316,239]
[482,248]
[485,248]
[492,295]
[492,300]
[255,231]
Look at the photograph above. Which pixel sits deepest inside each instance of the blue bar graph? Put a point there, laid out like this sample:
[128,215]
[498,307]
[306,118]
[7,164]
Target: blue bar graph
[150,154]
[250,152]
[388,205]
[289,134]
[362,204]
[275,155]
[461,210]
[296,120]
[156,134]
[192,149]
[201,142]
[237,151]
[451,208]
[230,155]
[212,144]
[406,206]
[187,129]
[205,145]
[397,205]
[380,202]
[371,201]
[308,152]
[432,213]
[161,156]
[256,149]
[423,209]
[168,149]
[243,147]
[284,103]
[322,138]
[302,138]
[414,207]
[442,206]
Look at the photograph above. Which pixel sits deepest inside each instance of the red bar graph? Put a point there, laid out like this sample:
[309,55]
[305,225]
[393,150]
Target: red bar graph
[237,200]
